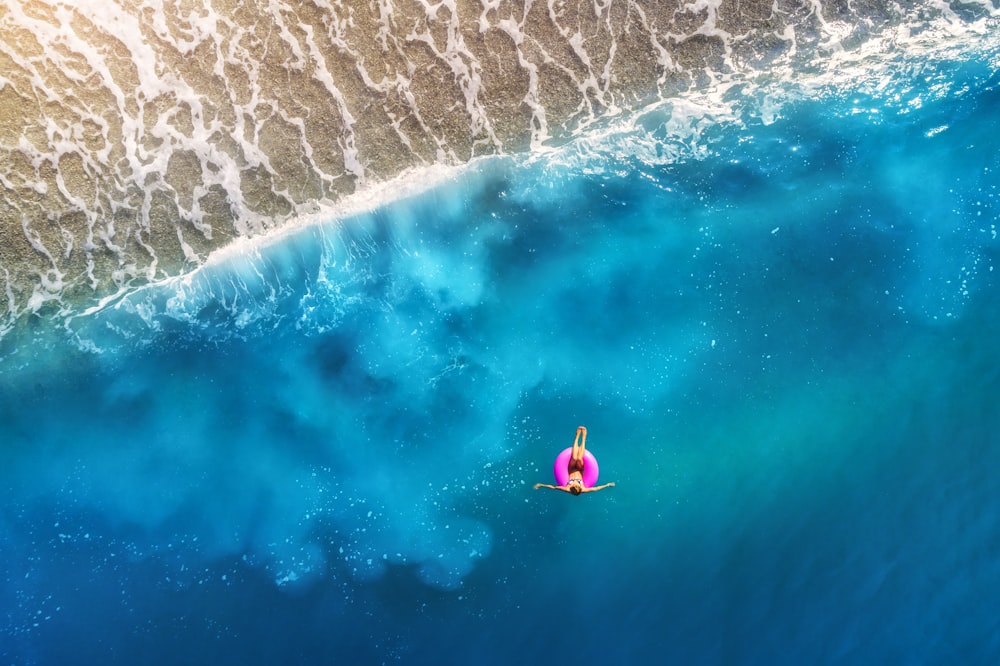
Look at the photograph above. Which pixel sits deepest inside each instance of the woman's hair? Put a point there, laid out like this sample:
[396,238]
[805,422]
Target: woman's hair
[575,489]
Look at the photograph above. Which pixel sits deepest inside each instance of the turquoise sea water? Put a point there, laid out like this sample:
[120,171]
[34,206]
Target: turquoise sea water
[779,329]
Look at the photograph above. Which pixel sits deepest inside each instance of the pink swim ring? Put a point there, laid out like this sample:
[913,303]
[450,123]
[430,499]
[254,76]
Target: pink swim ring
[561,468]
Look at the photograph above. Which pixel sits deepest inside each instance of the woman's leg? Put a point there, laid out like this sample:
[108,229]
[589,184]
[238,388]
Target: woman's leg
[579,445]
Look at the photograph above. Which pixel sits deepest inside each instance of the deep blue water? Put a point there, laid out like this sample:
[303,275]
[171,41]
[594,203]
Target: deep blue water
[781,336]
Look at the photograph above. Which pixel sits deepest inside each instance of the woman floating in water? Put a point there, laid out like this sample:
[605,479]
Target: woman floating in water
[581,464]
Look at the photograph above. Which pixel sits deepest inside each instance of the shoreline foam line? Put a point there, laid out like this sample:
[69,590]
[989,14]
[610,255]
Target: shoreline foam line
[165,137]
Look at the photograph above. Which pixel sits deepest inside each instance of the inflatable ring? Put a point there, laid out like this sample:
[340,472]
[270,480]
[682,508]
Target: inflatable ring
[561,468]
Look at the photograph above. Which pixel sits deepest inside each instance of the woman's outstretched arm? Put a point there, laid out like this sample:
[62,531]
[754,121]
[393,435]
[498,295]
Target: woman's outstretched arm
[545,485]
[594,489]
